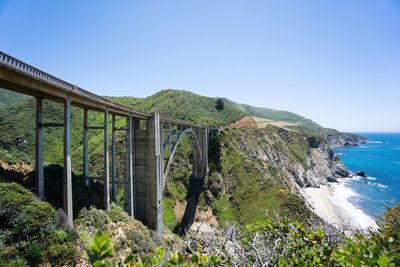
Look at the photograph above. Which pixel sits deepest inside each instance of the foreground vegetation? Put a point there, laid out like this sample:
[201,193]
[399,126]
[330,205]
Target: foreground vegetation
[33,232]
[243,162]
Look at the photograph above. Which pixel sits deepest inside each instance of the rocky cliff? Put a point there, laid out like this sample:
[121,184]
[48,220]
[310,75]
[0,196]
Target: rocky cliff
[256,173]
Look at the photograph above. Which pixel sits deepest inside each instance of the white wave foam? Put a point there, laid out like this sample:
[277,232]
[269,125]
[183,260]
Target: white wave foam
[354,216]
[379,185]
[370,178]
[375,142]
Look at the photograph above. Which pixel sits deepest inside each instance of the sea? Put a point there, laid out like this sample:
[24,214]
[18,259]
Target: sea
[367,198]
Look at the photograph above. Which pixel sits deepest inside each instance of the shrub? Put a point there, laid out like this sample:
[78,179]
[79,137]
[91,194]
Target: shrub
[26,217]
[219,104]
[31,229]
[100,251]
[376,248]
[34,253]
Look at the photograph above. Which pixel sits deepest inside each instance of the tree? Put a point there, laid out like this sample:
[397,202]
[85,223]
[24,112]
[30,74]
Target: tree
[219,105]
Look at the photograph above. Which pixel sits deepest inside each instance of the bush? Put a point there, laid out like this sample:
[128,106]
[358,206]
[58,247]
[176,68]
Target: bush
[34,253]
[380,248]
[31,230]
[26,217]
[219,104]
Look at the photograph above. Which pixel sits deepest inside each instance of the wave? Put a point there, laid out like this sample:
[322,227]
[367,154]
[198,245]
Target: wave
[354,216]
[370,178]
[397,148]
[397,162]
[375,142]
[378,185]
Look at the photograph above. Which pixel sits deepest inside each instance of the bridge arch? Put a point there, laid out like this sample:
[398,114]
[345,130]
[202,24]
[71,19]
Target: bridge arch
[172,136]
[198,152]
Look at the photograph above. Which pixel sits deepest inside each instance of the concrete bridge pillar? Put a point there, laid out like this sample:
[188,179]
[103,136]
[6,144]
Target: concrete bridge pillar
[200,157]
[106,164]
[128,184]
[39,173]
[67,177]
[148,175]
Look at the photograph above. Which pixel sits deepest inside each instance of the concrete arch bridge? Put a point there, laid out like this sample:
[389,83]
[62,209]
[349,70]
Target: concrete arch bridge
[151,142]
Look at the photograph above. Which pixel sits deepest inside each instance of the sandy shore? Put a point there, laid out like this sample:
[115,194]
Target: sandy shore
[331,204]
[319,199]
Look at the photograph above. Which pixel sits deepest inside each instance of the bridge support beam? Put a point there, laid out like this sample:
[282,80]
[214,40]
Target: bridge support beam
[128,184]
[85,147]
[154,174]
[149,175]
[106,164]
[67,177]
[113,162]
[39,173]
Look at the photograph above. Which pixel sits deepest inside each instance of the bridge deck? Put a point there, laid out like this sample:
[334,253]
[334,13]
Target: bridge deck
[21,77]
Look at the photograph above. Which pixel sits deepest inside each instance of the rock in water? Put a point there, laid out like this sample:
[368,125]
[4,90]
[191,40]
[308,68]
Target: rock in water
[361,173]
[332,180]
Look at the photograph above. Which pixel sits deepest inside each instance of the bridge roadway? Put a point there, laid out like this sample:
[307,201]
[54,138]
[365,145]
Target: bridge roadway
[151,141]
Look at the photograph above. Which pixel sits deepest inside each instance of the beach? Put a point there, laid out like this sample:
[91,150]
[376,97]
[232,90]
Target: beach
[319,200]
[331,203]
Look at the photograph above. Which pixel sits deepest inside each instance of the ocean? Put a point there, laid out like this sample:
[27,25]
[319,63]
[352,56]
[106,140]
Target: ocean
[366,198]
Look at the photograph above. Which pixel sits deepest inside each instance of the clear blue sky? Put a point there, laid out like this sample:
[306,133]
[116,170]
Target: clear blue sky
[336,62]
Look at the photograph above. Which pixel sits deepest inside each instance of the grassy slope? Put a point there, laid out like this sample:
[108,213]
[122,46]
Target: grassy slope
[185,105]
[275,115]
[17,121]
[8,98]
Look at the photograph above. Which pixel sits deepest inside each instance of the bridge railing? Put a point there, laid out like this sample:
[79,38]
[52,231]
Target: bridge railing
[22,66]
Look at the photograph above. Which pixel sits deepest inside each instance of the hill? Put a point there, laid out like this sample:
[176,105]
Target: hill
[275,115]
[8,98]
[186,105]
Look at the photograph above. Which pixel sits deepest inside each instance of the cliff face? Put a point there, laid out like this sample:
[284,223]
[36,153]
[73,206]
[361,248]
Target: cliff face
[303,160]
[337,139]
[256,173]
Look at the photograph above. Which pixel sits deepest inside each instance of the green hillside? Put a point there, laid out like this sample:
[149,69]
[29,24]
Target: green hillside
[8,98]
[275,115]
[185,105]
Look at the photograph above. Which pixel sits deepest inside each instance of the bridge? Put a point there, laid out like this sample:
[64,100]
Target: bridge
[150,145]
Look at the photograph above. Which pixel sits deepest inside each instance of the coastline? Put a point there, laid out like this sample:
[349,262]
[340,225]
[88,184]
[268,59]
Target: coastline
[331,203]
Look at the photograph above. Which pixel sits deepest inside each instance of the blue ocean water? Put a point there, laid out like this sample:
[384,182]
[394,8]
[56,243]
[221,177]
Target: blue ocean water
[380,159]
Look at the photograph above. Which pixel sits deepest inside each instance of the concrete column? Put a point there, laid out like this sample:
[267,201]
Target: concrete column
[154,176]
[39,173]
[85,147]
[128,185]
[67,177]
[170,140]
[113,162]
[106,164]
[140,145]
[176,133]
[204,138]
[161,137]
